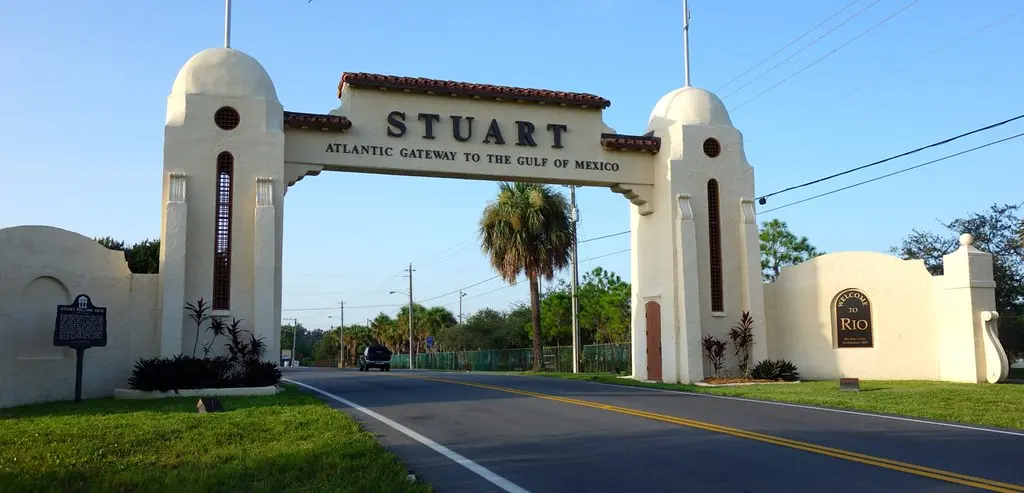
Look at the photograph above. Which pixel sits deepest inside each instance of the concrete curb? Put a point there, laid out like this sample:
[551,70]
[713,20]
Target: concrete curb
[234,391]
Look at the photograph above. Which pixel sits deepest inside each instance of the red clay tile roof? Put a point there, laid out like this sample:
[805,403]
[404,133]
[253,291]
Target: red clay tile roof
[328,123]
[447,87]
[619,142]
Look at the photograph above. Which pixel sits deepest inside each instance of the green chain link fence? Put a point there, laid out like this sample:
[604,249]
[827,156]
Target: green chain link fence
[596,358]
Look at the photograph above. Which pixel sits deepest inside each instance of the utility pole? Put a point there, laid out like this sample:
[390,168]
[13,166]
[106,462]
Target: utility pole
[686,43]
[341,336]
[461,295]
[295,338]
[411,366]
[575,284]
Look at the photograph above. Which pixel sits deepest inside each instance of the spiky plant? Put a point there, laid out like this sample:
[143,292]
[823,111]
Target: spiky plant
[742,336]
[197,313]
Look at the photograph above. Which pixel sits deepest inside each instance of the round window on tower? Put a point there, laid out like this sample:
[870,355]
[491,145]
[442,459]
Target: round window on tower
[226,118]
[712,148]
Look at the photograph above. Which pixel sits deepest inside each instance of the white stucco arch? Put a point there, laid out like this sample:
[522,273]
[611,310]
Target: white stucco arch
[423,127]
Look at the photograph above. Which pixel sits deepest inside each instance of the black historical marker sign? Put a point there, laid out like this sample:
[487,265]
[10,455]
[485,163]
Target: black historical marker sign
[852,312]
[80,325]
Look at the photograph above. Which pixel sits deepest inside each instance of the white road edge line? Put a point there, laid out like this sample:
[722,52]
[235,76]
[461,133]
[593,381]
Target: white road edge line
[441,449]
[813,408]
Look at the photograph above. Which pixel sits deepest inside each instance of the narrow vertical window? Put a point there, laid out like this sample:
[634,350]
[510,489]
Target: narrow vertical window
[715,242]
[222,233]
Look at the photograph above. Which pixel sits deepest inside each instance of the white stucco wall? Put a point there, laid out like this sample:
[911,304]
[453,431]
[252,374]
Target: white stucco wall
[42,267]
[902,294]
[924,327]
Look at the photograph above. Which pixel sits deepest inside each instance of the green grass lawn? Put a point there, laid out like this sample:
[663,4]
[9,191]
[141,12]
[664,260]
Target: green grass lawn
[1000,405]
[287,442]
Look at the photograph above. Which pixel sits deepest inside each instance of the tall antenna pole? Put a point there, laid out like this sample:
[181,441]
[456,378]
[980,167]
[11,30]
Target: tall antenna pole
[686,43]
[227,23]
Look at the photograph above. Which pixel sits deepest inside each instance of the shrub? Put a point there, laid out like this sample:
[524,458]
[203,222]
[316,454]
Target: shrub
[714,352]
[261,374]
[180,372]
[241,368]
[775,370]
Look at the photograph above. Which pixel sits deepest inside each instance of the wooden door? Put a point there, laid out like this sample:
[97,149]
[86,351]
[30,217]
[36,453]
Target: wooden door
[653,313]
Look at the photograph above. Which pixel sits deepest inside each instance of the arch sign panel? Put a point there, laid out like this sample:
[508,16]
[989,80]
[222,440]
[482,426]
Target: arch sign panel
[852,315]
[412,126]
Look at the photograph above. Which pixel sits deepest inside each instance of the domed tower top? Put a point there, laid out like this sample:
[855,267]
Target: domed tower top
[689,106]
[224,72]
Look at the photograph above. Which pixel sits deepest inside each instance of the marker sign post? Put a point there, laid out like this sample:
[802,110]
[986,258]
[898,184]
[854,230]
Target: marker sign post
[80,325]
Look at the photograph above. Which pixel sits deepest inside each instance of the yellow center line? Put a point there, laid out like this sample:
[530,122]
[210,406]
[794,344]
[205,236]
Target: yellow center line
[952,477]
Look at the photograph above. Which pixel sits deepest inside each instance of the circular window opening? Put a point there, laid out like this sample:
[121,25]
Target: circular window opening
[712,148]
[227,119]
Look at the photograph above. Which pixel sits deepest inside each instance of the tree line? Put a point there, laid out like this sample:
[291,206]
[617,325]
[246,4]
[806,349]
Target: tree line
[604,317]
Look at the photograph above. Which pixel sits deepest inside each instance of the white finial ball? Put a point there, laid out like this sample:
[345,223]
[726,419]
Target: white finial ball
[966,239]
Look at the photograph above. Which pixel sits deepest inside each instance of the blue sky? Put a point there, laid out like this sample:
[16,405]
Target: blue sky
[83,88]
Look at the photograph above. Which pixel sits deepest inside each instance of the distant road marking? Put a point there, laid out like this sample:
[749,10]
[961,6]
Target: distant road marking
[952,477]
[441,449]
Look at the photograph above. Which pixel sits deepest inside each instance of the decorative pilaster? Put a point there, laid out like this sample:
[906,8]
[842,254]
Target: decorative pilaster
[997,365]
[690,365]
[752,298]
[172,265]
[969,350]
[265,262]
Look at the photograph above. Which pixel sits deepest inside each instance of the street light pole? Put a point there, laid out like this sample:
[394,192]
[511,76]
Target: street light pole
[295,334]
[411,366]
[461,295]
[341,336]
[575,285]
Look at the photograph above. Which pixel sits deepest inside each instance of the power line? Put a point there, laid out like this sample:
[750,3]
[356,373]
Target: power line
[826,55]
[456,291]
[915,62]
[790,57]
[620,233]
[350,307]
[798,38]
[904,170]
[518,281]
[763,198]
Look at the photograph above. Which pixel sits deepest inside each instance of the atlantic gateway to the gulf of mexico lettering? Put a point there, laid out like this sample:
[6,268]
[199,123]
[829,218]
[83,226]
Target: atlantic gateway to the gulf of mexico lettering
[461,129]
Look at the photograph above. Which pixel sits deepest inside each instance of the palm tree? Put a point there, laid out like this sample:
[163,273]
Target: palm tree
[527,230]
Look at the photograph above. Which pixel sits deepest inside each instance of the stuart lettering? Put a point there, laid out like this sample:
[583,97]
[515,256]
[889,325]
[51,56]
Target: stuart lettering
[396,120]
[526,134]
[462,129]
[428,120]
[556,130]
[494,131]
[457,128]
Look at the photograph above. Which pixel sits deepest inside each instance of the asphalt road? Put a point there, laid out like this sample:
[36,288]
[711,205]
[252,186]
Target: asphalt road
[474,432]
